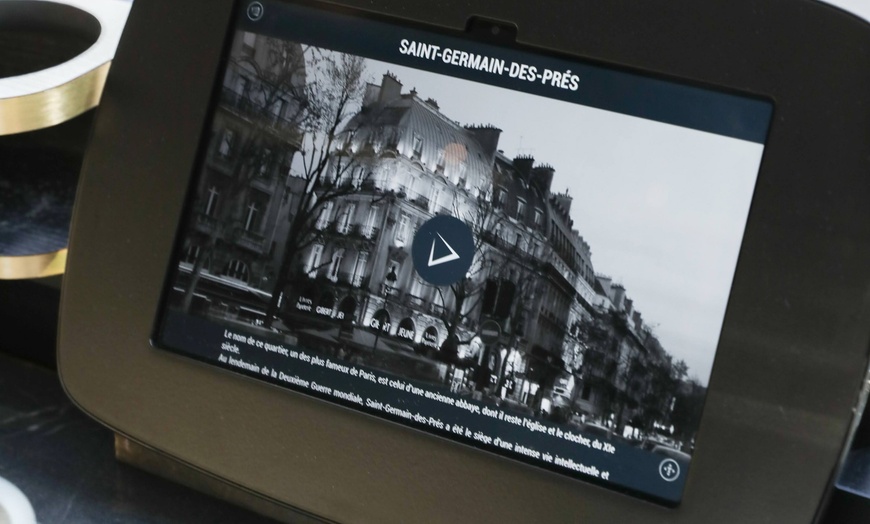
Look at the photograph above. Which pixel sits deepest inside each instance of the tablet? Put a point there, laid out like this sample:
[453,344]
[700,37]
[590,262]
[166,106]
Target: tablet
[481,266]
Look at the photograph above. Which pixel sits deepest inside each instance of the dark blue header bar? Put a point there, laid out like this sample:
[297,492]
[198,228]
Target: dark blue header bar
[572,81]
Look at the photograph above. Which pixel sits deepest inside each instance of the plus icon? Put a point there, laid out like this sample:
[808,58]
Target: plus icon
[669,470]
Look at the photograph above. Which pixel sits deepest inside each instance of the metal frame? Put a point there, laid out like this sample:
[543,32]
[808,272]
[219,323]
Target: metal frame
[793,350]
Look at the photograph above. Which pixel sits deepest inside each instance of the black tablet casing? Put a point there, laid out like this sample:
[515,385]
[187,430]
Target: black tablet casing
[793,351]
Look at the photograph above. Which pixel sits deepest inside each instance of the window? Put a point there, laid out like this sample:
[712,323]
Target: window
[243,88]
[251,216]
[358,174]
[227,144]
[371,221]
[265,162]
[348,138]
[325,215]
[359,269]
[236,269]
[418,146]
[248,41]
[416,287]
[402,229]
[335,265]
[213,198]
[191,253]
[461,171]
[346,217]
[539,216]
[521,208]
[434,196]
[500,197]
[313,263]
[278,109]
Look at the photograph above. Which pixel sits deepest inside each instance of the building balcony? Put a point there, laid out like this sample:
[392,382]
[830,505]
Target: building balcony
[251,240]
[206,224]
[347,279]
[421,202]
[371,233]
[436,309]
[265,183]
[415,302]
[244,105]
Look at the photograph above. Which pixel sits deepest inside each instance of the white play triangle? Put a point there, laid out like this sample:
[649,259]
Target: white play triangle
[446,258]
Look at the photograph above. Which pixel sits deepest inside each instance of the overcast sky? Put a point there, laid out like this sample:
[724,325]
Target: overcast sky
[662,207]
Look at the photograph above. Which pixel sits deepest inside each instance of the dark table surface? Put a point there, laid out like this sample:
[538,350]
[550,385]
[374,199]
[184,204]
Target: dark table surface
[64,462]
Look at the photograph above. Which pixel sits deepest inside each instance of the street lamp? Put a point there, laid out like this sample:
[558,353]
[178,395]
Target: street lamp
[389,280]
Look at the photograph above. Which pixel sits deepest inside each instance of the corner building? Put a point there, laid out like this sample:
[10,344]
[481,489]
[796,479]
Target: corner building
[408,163]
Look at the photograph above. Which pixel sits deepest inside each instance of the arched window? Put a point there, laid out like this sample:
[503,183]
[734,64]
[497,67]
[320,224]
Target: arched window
[430,337]
[347,309]
[381,321]
[406,330]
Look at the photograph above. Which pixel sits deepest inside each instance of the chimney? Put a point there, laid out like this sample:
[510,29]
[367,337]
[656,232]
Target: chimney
[564,201]
[373,92]
[618,296]
[523,164]
[391,89]
[487,136]
[542,176]
[638,322]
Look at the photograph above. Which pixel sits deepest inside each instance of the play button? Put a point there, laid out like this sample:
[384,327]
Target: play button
[443,250]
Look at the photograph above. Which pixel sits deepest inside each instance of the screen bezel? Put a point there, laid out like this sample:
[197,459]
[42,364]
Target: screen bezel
[757,118]
[350,466]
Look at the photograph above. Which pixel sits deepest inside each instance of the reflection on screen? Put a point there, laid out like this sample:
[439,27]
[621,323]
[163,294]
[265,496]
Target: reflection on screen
[408,229]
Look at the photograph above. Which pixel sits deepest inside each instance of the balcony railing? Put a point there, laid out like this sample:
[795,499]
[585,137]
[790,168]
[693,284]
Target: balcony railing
[247,106]
[206,224]
[436,309]
[251,240]
[415,302]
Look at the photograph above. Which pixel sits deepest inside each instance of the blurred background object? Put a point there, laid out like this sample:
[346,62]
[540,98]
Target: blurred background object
[54,58]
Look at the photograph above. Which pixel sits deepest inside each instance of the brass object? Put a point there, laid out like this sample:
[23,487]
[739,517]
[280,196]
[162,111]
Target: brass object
[33,266]
[39,99]
[53,106]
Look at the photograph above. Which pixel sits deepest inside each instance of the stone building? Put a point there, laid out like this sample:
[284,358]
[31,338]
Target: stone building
[408,162]
[228,251]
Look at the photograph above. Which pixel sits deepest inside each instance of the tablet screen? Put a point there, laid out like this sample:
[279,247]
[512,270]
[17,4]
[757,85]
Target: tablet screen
[519,251]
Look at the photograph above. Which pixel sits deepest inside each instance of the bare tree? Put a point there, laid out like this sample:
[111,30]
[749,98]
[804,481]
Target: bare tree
[327,160]
[461,300]
[272,109]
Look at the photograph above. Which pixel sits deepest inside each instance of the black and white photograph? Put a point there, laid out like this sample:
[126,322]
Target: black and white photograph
[604,244]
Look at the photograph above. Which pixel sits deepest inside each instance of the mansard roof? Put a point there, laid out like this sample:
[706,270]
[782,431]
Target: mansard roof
[398,122]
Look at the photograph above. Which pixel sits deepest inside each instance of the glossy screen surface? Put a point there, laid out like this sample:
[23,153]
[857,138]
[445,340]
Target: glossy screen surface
[520,252]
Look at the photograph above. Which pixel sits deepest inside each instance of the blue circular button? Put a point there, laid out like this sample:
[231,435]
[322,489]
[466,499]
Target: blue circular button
[669,470]
[443,250]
